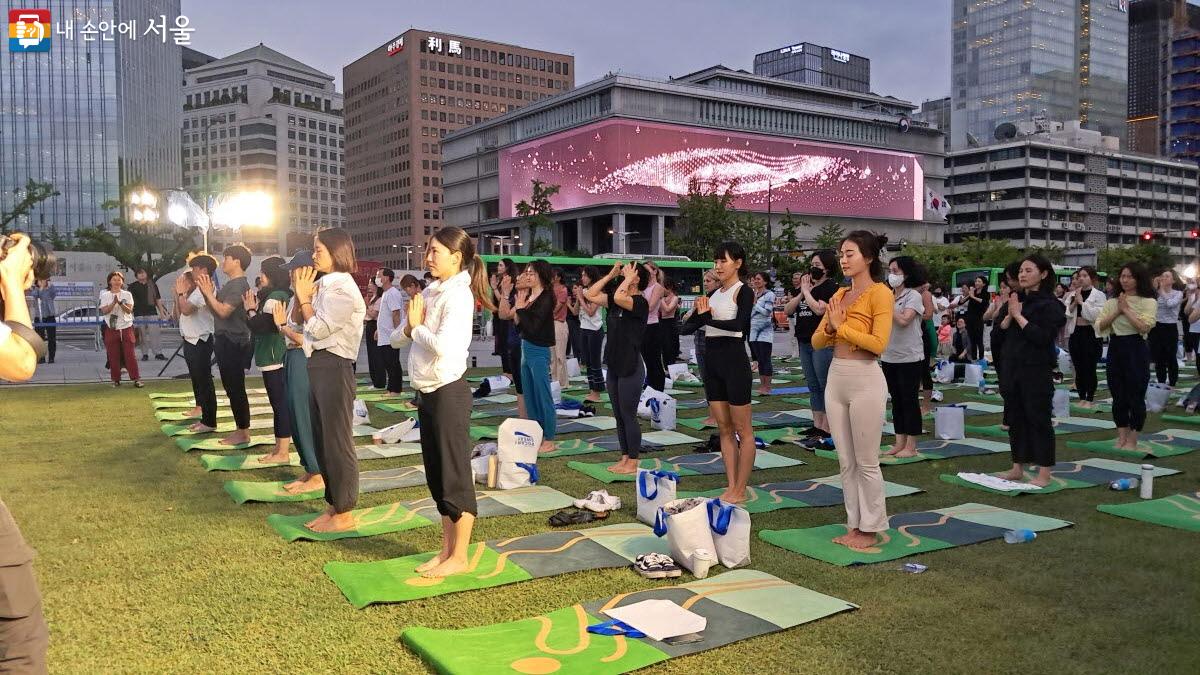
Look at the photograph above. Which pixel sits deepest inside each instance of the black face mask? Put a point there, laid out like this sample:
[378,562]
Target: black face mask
[816,273]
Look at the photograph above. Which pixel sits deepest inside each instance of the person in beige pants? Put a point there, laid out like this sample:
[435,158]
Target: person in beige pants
[558,356]
[858,323]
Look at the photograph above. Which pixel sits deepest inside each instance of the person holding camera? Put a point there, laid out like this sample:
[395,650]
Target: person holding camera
[116,310]
[43,295]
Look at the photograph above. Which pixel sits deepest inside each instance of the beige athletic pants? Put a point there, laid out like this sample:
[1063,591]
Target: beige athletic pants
[854,400]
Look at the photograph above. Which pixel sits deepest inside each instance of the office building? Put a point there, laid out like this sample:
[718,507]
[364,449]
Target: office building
[402,99]
[1152,25]
[259,120]
[624,149]
[1068,187]
[96,111]
[936,113]
[1013,60]
[808,63]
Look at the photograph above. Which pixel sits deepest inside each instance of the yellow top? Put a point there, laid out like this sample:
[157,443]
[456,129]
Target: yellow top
[868,323]
[1145,308]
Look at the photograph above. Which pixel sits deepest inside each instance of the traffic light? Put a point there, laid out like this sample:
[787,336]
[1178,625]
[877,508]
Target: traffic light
[1196,233]
[1147,236]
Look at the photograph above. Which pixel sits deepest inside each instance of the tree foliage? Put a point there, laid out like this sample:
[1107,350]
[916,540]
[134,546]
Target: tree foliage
[705,220]
[35,193]
[830,236]
[1153,255]
[536,212]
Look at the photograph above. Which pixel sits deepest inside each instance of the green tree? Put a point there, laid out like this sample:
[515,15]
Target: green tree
[789,253]
[536,214]
[939,259]
[1054,254]
[830,236]
[978,252]
[705,220]
[160,251]
[750,231]
[35,193]
[1154,256]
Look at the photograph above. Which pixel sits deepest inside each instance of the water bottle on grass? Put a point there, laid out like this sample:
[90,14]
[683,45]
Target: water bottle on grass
[1122,484]
[1019,536]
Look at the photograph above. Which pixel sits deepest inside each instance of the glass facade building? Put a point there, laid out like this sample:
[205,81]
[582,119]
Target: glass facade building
[807,63]
[1015,59]
[90,115]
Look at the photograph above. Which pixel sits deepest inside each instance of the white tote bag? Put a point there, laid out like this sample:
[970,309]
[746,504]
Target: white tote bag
[483,464]
[517,453]
[362,417]
[498,383]
[572,367]
[972,374]
[648,393]
[1157,397]
[408,431]
[654,488]
[662,413]
[1064,362]
[556,393]
[676,369]
[1061,404]
[949,422]
[730,525]
[944,373]
[685,524]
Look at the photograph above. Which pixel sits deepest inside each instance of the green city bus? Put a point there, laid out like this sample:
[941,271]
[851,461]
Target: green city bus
[687,274]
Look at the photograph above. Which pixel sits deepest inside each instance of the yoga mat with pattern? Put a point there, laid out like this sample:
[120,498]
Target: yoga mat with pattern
[1062,427]
[594,444]
[737,605]
[245,462]
[1181,511]
[1085,473]
[181,415]
[934,449]
[799,494]
[1165,443]
[411,515]
[912,534]
[702,464]
[244,491]
[497,562]
[772,418]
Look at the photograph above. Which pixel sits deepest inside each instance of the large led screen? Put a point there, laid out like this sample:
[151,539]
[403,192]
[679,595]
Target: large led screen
[631,162]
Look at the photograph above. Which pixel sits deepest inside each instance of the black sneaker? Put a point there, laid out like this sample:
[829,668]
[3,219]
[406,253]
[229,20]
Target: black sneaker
[159,357]
[145,357]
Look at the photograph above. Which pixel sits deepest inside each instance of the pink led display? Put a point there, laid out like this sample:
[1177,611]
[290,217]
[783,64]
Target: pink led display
[630,162]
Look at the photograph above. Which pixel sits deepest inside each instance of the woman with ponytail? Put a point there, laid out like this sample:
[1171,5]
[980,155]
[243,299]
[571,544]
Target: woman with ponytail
[440,326]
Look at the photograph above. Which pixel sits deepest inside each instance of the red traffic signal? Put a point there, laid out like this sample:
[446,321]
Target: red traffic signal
[1195,232]
[1147,236]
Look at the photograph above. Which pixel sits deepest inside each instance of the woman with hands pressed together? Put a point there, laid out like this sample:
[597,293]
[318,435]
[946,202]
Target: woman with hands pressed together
[621,291]
[1034,321]
[440,326]
[333,310]
[725,315]
[270,348]
[1126,320]
[858,324]
[116,308]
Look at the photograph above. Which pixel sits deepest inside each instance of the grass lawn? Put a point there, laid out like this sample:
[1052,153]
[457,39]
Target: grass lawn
[145,564]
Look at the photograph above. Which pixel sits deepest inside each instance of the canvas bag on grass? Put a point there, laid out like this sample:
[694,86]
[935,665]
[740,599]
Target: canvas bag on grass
[730,525]
[483,463]
[676,369]
[516,454]
[1064,362]
[362,417]
[1157,397]
[662,413]
[1060,406]
[572,367]
[648,393]
[654,489]
[944,372]
[408,431]
[556,393]
[685,524]
[949,422]
[972,374]
[497,383]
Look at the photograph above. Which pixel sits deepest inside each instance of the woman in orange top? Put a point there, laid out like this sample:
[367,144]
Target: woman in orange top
[858,323]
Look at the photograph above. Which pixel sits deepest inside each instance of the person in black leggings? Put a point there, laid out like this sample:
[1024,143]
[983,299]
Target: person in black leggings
[976,303]
[621,291]
[1084,306]
[1164,339]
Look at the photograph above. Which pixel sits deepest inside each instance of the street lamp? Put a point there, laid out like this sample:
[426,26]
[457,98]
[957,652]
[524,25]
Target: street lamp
[143,206]
[770,251]
[407,256]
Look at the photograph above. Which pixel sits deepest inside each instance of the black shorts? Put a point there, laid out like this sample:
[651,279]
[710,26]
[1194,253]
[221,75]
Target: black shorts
[726,371]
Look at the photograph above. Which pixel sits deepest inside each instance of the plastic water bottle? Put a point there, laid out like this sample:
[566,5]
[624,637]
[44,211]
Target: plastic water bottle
[1147,491]
[982,386]
[1122,484]
[1019,536]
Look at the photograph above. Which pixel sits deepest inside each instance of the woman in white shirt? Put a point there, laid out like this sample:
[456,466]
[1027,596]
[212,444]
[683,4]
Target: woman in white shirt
[116,310]
[1084,303]
[591,328]
[333,311]
[440,326]
[904,361]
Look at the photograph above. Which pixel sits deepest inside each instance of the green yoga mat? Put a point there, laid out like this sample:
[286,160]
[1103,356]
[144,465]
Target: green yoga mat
[255,425]
[497,563]
[496,398]
[701,464]
[1181,511]
[594,444]
[244,491]
[1184,419]
[182,415]
[252,391]
[781,434]
[222,402]
[1085,473]
[575,425]
[737,605]
[189,443]
[799,494]
[401,407]
[1062,427]
[1165,443]
[912,533]
[246,462]
[411,515]
[935,449]
[773,418]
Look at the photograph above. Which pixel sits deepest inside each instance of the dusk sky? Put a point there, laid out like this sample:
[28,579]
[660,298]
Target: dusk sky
[908,43]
